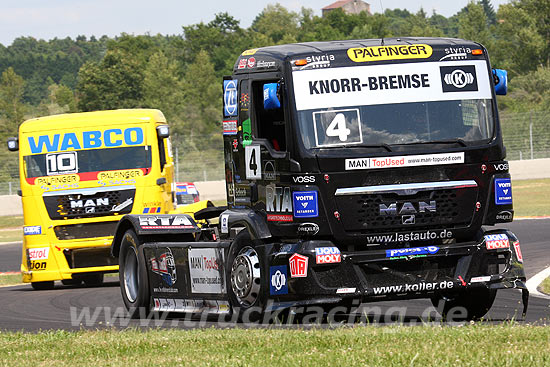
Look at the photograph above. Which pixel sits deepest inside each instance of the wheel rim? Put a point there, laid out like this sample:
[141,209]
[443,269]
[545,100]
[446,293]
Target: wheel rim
[131,274]
[245,276]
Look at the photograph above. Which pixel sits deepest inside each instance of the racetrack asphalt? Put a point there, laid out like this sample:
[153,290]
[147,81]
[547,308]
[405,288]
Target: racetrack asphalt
[66,307]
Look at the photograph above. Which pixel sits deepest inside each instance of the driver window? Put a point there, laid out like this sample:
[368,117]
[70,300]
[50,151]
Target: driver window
[270,117]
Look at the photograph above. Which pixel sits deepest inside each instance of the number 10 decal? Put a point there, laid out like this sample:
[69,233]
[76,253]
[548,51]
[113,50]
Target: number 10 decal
[253,162]
[61,163]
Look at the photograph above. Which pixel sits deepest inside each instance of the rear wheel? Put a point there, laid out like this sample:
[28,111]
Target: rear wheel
[133,276]
[244,279]
[42,286]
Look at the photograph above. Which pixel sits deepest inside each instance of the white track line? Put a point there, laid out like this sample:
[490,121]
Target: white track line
[535,281]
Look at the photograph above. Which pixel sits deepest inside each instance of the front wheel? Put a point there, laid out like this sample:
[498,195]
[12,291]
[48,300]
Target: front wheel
[133,276]
[244,278]
[466,306]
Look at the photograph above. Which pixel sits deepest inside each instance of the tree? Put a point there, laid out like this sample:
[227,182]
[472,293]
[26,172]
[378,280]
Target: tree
[489,11]
[472,25]
[11,105]
[275,21]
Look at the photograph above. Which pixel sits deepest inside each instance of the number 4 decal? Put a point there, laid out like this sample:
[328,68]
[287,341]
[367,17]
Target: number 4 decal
[253,162]
[338,127]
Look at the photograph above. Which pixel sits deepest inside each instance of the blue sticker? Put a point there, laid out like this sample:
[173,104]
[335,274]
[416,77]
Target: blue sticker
[305,204]
[278,280]
[503,191]
[413,251]
[31,230]
[230,97]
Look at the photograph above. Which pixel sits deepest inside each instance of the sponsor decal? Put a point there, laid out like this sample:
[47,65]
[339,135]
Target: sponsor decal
[308,229]
[380,53]
[245,101]
[251,62]
[305,204]
[84,140]
[32,230]
[409,236]
[253,161]
[414,287]
[190,305]
[38,265]
[165,222]
[456,53]
[337,127]
[278,280]
[57,180]
[327,255]
[151,210]
[411,252]
[496,241]
[123,174]
[505,216]
[459,78]
[303,179]
[230,127]
[480,279]
[407,208]
[40,253]
[384,84]
[206,270]
[242,64]
[404,161]
[518,251]
[230,98]
[345,290]
[501,167]
[224,223]
[315,62]
[117,182]
[298,266]
[250,52]
[265,64]
[235,145]
[89,203]
[269,171]
[61,163]
[247,132]
[278,200]
[165,266]
[503,191]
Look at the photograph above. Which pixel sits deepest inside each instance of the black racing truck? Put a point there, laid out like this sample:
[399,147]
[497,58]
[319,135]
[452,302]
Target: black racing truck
[359,170]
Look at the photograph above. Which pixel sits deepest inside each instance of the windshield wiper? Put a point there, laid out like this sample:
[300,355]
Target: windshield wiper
[385,146]
[450,141]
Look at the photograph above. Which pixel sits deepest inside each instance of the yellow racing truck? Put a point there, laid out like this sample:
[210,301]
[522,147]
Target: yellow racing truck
[80,173]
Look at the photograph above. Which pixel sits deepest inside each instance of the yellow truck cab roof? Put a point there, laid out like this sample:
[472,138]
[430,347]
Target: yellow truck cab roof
[91,119]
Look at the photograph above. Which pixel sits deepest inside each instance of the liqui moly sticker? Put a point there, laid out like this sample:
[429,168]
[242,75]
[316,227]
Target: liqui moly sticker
[405,161]
[496,241]
[327,255]
[40,253]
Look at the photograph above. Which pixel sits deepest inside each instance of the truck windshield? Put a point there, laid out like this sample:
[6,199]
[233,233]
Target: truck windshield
[90,160]
[392,104]
[464,121]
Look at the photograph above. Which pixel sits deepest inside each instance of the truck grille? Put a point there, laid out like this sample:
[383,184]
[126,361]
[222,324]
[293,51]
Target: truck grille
[361,213]
[89,257]
[85,230]
[89,202]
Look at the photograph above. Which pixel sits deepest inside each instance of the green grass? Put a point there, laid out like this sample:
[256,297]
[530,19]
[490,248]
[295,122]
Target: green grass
[10,222]
[544,287]
[11,235]
[10,279]
[472,345]
[531,197]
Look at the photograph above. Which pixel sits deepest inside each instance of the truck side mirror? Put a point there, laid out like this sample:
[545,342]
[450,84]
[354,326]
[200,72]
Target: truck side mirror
[271,96]
[13,144]
[163,131]
[500,78]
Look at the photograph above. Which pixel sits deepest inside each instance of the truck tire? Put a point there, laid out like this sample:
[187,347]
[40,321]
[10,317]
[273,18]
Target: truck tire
[42,286]
[134,285]
[244,279]
[476,302]
[93,279]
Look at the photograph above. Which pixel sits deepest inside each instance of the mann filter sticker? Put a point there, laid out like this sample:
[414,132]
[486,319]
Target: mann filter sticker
[253,162]
[230,97]
[305,204]
[404,161]
[384,84]
[206,270]
[381,53]
[503,191]
[337,127]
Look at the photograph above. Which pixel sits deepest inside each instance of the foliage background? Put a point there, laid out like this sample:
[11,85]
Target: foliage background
[181,74]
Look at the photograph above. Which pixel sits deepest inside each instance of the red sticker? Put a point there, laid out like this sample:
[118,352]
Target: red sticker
[298,266]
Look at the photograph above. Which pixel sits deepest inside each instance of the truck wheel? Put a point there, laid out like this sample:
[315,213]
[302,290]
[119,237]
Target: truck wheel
[244,279]
[42,286]
[93,280]
[133,276]
[476,302]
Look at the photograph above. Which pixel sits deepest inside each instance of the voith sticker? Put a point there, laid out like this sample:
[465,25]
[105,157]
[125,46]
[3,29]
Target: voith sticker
[305,204]
[503,191]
